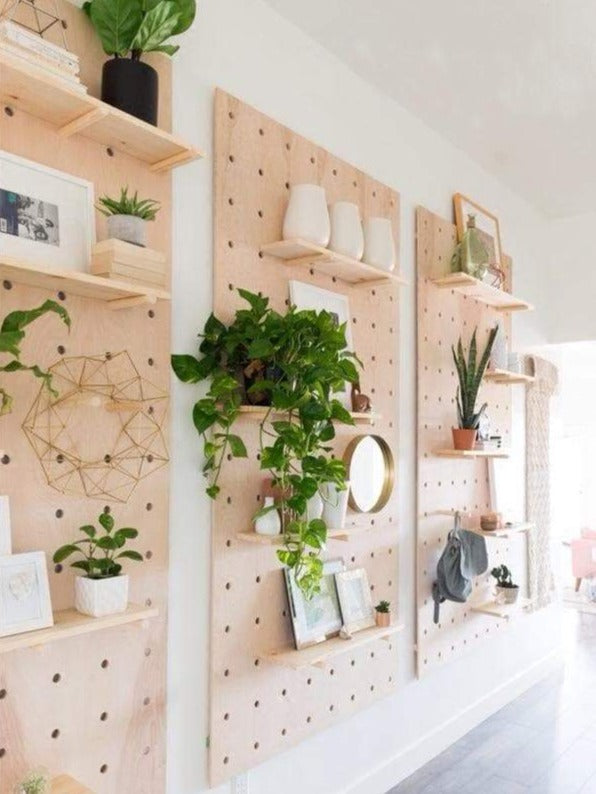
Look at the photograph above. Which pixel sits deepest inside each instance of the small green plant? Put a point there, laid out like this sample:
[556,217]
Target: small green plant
[146,209]
[100,550]
[503,576]
[12,334]
[36,782]
[383,606]
[470,373]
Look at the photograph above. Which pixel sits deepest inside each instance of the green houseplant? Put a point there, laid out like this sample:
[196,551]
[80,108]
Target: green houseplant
[103,590]
[35,782]
[470,371]
[294,363]
[128,215]
[383,614]
[128,29]
[507,591]
[12,334]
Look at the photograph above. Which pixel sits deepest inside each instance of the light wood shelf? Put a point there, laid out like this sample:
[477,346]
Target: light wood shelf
[503,532]
[472,453]
[353,271]
[29,89]
[485,293]
[507,378]
[345,534]
[64,784]
[319,655]
[70,623]
[117,294]
[259,411]
[502,611]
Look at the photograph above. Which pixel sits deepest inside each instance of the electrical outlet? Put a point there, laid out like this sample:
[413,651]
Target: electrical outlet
[240,784]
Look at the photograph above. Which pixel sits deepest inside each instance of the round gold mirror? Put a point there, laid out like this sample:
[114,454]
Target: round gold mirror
[371,473]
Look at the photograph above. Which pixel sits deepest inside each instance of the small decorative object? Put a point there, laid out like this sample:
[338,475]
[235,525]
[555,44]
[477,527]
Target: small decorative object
[5,531]
[24,593]
[345,633]
[486,224]
[314,507]
[371,471]
[489,522]
[27,15]
[470,255]
[103,590]
[498,356]
[128,215]
[318,618]
[383,614]
[35,782]
[361,403]
[127,262]
[483,429]
[379,243]
[335,504]
[12,335]
[507,592]
[347,236]
[503,487]
[496,277]
[127,82]
[355,602]
[514,362]
[470,374]
[46,216]
[307,216]
[268,522]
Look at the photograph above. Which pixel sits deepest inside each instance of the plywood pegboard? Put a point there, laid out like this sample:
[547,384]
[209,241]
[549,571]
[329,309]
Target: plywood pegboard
[258,709]
[447,484]
[92,706]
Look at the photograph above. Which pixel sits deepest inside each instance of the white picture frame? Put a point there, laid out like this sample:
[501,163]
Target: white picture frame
[5,528]
[25,603]
[57,229]
[317,619]
[306,296]
[353,591]
[502,487]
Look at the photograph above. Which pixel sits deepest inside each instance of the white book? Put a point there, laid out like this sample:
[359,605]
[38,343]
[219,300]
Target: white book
[38,59]
[33,62]
[17,34]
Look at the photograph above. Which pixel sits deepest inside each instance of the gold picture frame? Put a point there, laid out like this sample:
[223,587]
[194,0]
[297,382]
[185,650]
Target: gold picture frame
[486,222]
[385,489]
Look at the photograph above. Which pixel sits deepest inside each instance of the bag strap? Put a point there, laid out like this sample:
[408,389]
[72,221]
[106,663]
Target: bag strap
[438,599]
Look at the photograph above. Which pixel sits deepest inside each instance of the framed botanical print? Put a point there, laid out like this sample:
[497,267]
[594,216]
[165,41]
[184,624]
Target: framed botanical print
[320,618]
[487,225]
[355,600]
[25,603]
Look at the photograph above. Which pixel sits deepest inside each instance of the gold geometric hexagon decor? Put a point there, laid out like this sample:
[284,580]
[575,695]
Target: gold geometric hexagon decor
[103,433]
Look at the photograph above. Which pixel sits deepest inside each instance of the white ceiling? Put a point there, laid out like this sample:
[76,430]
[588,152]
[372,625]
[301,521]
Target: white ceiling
[511,82]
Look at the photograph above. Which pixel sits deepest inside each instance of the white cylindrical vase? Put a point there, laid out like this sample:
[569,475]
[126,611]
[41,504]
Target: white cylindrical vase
[307,216]
[270,523]
[379,245]
[347,236]
[335,505]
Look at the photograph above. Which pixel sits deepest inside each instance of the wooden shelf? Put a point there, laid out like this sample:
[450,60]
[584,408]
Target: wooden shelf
[502,611]
[353,271]
[472,453]
[478,290]
[503,532]
[319,655]
[259,411]
[29,89]
[508,378]
[68,785]
[117,294]
[70,623]
[345,534]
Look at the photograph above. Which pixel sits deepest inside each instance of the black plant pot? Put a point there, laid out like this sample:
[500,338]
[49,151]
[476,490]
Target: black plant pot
[131,86]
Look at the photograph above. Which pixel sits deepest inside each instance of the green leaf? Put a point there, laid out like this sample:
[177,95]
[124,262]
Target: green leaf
[186,368]
[260,348]
[107,521]
[187,10]
[213,491]
[82,564]
[202,417]
[257,302]
[117,23]
[65,551]
[16,321]
[129,554]
[108,543]
[158,25]
[237,446]
[89,530]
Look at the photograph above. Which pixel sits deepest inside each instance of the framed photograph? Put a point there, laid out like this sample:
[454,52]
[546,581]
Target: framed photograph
[25,603]
[316,620]
[486,223]
[355,600]
[46,216]
[502,478]
[307,296]
[5,532]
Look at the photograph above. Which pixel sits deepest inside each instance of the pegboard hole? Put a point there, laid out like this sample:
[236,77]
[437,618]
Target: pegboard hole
[56,678]
[7,284]
[59,513]
[146,701]
[5,460]
[61,350]
[2,694]
[58,568]
[103,769]
[9,111]
[2,752]
[105,664]
[147,651]
[103,716]
[55,733]
[283,731]
[146,750]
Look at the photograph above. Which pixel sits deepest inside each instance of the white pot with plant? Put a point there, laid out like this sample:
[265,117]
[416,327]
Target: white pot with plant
[507,592]
[383,614]
[35,782]
[103,590]
[128,216]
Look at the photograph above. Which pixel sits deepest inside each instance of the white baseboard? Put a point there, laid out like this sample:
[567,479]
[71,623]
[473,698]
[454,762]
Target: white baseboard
[415,755]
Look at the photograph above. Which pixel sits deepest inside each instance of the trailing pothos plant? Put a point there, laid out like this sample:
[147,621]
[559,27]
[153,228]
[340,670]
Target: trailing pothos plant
[302,361]
[12,334]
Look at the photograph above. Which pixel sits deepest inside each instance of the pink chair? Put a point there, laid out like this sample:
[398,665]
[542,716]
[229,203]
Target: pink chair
[583,556]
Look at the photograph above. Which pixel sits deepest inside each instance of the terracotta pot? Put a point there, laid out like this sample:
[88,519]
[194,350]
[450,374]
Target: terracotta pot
[463,437]
[383,619]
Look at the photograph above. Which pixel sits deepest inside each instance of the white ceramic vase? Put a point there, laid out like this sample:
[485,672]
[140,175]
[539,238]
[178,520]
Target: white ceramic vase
[347,236]
[498,355]
[314,507]
[99,597]
[270,523]
[379,245]
[129,228]
[335,505]
[307,216]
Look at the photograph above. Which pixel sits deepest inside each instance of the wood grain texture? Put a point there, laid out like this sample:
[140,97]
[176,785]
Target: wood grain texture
[259,709]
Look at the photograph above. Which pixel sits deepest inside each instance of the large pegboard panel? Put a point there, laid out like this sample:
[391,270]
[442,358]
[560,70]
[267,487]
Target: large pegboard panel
[449,484]
[91,706]
[258,709]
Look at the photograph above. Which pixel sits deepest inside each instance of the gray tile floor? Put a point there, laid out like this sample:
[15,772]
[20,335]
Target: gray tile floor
[542,743]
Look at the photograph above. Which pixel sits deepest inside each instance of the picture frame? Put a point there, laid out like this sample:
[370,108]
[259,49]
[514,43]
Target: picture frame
[25,603]
[486,223]
[502,487]
[5,529]
[306,296]
[320,618]
[47,217]
[353,591]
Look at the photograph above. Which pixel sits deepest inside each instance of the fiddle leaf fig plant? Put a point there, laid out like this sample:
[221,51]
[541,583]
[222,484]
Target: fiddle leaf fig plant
[294,363]
[12,334]
[470,372]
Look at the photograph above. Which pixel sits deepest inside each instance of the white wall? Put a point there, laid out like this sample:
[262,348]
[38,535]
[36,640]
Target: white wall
[245,48]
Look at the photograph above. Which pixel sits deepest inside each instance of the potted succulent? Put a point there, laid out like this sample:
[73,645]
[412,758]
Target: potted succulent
[128,29]
[383,614]
[470,373]
[35,782]
[506,590]
[103,590]
[128,215]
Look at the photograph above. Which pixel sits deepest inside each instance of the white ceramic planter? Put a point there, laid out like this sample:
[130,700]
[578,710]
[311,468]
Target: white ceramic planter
[347,236]
[270,523]
[335,505]
[307,216]
[129,228]
[507,595]
[99,597]
[314,507]
[379,245]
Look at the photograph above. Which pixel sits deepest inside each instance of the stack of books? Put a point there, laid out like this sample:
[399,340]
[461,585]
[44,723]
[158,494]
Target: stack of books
[28,48]
[491,444]
[126,262]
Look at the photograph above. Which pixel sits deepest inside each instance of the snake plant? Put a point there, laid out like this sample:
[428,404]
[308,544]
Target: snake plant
[470,372]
